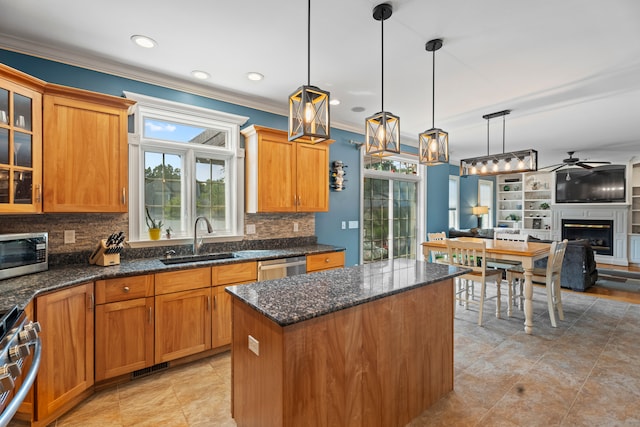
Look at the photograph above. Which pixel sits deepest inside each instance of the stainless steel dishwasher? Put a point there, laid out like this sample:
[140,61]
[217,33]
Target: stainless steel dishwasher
[281,267]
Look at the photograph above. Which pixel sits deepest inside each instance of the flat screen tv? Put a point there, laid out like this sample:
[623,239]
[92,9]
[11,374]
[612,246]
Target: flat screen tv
[602,184]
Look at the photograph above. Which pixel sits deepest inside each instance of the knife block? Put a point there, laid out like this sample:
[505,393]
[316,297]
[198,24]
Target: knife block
[100,257]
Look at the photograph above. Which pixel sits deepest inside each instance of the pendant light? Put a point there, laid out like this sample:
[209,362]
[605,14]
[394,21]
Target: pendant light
[309,105]
[501,163]
[433,143]
[382,130]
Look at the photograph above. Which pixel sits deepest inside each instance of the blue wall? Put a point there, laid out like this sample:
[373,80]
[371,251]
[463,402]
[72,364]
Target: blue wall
[344,205]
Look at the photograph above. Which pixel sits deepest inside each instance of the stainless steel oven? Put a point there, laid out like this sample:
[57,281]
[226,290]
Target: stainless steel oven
[282,267]
[20,351]
[23,253]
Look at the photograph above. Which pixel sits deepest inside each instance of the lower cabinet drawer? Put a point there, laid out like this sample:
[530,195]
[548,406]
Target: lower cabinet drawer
[124,288]
[325,261]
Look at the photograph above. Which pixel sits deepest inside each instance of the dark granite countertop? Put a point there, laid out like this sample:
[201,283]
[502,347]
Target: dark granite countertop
[20,290]
[297,298]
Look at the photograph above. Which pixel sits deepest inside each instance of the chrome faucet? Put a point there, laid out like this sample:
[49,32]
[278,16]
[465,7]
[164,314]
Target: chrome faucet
[196,243]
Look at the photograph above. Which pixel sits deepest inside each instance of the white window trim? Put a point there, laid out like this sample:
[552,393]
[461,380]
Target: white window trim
[490,205]
[457,224]
[189,114]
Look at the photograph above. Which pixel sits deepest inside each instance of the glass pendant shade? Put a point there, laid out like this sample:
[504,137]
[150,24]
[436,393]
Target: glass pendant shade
[433,147]
[309,115]
[309,105]
[382,134]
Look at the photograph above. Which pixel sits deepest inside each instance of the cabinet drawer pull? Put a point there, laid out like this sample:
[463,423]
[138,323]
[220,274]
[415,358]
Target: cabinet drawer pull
[126,289]
[327,260]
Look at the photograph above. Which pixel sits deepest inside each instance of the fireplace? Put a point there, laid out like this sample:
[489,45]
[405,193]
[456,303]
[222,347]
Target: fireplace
[599,233]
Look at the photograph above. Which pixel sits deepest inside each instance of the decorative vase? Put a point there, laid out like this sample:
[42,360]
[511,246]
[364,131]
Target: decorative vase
[154,233]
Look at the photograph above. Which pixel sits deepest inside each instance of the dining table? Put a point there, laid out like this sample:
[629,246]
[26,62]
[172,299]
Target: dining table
[524,252]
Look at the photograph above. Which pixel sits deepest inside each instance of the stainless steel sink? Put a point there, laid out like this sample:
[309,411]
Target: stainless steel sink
[196,258]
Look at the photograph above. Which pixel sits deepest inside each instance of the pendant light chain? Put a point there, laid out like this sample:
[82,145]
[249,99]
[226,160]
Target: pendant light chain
[433,91]
[503,128]
[488,120]
[309,44]
[382,61]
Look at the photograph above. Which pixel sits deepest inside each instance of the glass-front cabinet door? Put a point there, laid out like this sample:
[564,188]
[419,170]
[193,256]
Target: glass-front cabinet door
[20,142]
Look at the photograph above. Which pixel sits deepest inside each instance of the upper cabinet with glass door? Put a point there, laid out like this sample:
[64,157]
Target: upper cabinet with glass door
[20,142]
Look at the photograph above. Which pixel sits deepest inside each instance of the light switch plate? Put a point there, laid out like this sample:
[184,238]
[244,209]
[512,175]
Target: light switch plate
[254,345]
[353,224]
[251,229]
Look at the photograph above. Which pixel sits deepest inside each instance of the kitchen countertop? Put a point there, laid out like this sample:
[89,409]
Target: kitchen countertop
[21,290]
[297,298]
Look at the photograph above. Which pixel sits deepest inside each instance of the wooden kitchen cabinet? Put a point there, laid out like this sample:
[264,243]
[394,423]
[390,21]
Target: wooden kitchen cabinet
[284,176]
[221,277]
[85,151]
[67,363]
[183,313]
[21,137]
[124,325]
[325,261]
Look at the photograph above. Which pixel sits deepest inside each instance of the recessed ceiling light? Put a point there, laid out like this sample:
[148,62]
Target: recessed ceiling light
[334,102]
[198,74]
[144,41]
[255,76]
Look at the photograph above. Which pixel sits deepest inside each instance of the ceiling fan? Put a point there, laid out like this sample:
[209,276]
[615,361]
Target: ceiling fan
[574,161]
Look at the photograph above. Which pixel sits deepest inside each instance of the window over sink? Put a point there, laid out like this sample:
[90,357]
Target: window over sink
[184,162]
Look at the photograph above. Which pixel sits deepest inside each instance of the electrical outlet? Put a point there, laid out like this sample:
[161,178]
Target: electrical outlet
[69,236]
[254,345]
[251,229]
[295,227]
[353,224]
[344,225]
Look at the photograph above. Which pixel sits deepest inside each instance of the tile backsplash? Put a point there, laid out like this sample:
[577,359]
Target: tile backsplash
[91,227]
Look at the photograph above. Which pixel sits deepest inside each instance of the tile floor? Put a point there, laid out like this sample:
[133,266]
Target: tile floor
[583,373]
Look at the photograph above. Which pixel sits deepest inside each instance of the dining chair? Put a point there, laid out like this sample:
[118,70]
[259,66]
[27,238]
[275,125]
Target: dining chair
[550,276]
[473,255]
[508,265]
[437,256]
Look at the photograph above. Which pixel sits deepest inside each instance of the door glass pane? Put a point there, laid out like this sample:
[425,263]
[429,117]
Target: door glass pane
[210,191]
[163,189]
[4,186]
[22,149]
[4,106]
[22,107]
[376,219]
[22,182]
[4,146]
[405,219]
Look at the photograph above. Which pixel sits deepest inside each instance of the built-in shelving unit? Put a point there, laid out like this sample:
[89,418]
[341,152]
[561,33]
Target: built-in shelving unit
[510,201]
[635,199]
[524,201]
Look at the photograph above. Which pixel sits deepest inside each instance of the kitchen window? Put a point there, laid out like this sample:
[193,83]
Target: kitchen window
[185,162]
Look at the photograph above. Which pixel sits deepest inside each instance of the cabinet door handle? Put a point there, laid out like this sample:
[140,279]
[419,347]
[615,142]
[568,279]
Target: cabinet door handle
[215,302]
[150,316]
[38,193]
[124,196]
[90,301]
[208,303]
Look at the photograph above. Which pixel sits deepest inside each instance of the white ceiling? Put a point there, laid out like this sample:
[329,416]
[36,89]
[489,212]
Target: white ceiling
[569,70]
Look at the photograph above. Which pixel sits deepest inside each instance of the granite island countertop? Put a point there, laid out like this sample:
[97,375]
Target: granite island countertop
[20,290]
[297,298]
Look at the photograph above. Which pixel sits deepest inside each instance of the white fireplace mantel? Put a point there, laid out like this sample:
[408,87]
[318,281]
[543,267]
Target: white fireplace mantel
[616,212]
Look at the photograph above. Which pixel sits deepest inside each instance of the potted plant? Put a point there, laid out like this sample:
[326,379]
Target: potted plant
[544,205]
[153,225]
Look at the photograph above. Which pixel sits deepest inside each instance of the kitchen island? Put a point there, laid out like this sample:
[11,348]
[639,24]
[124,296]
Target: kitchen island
[369,345]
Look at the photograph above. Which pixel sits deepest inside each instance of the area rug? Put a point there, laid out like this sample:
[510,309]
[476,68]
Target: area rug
[618,280]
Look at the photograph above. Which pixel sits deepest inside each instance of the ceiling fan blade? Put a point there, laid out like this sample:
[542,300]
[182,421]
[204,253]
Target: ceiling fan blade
[584,165]
[552,166]
[557,167]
